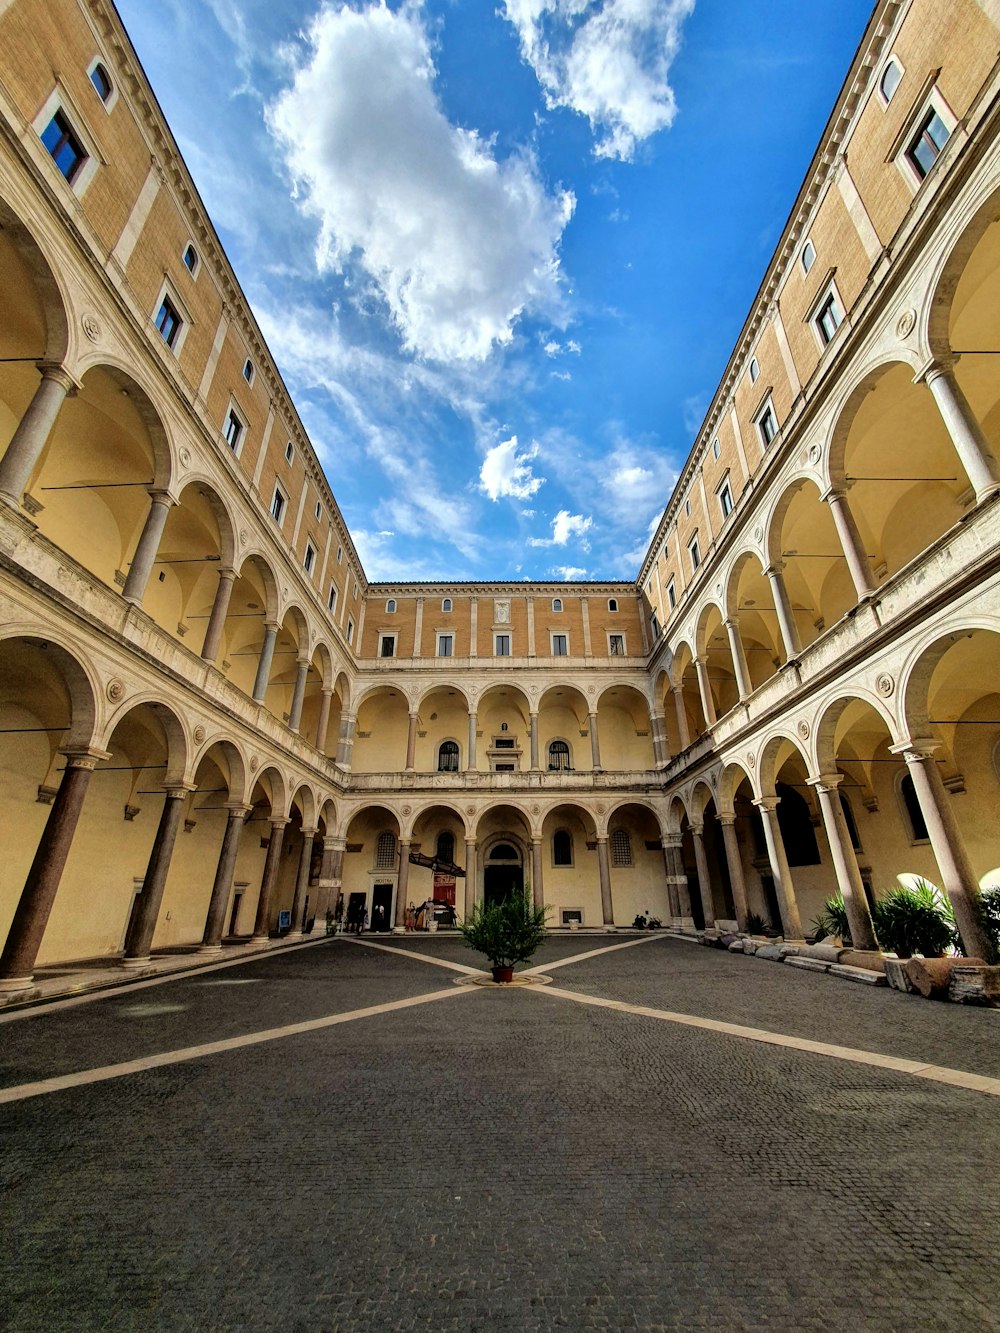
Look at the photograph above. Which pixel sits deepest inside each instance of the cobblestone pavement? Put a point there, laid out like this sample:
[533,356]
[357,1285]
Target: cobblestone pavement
[503,1159]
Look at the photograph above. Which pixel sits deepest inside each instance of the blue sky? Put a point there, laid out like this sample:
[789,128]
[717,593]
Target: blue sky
[500,253]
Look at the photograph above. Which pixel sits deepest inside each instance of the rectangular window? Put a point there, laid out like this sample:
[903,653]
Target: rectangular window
[716,449]
[277,505]
[616,645]
[387,645]
[767,425]
[168,321]
[926,145]
[64,146]
[445,645]
[560,645]
[828,318]
[672,594]
[340,554]
[331,601]
[289,452]
[725,499]
[233,431]
[310,558]
[501,645]
[695,552]
[350,630]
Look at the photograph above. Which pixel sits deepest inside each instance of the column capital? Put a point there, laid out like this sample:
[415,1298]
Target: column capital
[175,790]
[57,372]
[918,749]
[731,622]
[84,756]
[599,838]
[775,567]
[228,573]
[405,842]
[309,832]
[943,364]
[334,844]
[672,840]
[238,808]
[535,839]
[768,803]
[834,493]
[328,689]
[826,781]
[159,495]
[697,827]
[280,822]
[726,820]
[302,661]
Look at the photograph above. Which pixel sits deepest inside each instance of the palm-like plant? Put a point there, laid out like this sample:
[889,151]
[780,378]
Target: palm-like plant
[508,932]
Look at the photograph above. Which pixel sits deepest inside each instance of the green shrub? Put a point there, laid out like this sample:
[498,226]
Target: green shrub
[507,932]
[991,914]
[756,925]
[915,920]
[833,919]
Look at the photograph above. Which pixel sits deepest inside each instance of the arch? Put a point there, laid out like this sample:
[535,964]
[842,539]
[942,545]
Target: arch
[271,780]
[713,645]
[802,540]
[220,510]
[677,815]
[37,286]
[179,766]
[431,806]
[237,771]
[452,687]
[732,777]
[143,398]
[749,602]
[259,562]
[78,677]
[918,672]
[945,304]
[832,720]
[701,797]
[304,797]
[776,750]
[617,806]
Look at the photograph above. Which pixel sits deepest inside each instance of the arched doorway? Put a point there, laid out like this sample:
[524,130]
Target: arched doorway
[503,872]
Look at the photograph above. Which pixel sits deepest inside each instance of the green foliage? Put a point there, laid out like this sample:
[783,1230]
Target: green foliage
[507,932]
[915,920]
[833,919]
[756,925]
[991,914]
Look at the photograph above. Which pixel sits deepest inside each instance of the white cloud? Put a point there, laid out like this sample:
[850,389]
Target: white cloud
[567,573]
[456,243]
[506,471]
[552,349]
[564,526]
[609,60]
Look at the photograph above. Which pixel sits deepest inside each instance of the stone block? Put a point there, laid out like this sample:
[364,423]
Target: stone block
[864,975]
[789,950]
[807,964]
[895,974]
[751,947]
[975,983]
[868,958]
[736,946]
[826,953]
[772,952]
[931,977]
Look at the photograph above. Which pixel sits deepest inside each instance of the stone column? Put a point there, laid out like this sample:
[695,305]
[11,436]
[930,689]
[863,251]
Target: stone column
[217,620]
[682,722]
[538,894]
[595,744]
[704,880]
[471,756]
[160,504]
[786,620]
[743,682]
[329,876]
[32,433]
[675,852]
[211,940]
[967,436]
[673,905]
[470,876]
[264,661]
[851,543]
[298,693]
[604,868]
[139,939]
[271,863]
[345,741]
[957,875]
[845,863]
[324,720]
[705,690]
[35,904]
[734,863]
[791,925]
[402,886]
[411,743]
[533,719]
[301,883]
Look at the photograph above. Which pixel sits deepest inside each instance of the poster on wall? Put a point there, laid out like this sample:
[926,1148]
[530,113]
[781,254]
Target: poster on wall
[444,888]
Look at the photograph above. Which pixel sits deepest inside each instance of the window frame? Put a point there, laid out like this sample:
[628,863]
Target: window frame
[390,606]
[248,365]
[278,511]
[562,636]
[497,637]
[350,630]
[60,103]
[387,638]
[309,558]
[331,599]
[931,103]
[191,269]
[766,410]
[289,453]
[672,593]
[808,248]
[448,768]
[620,847]
[557,606]
[828,300]
[613,606]
[446,605]
[623,651]
[558,864]
[559,768]
[724,492]
[753,370]
[893,62]
[234,414]
[442,637]
[99,63]
[716,448]
[168,294]
[694,553]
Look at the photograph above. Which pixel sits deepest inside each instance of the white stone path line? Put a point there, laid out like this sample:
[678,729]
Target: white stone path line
[139,1066]
[958,1078]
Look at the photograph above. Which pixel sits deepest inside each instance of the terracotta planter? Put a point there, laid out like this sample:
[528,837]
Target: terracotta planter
[503,974]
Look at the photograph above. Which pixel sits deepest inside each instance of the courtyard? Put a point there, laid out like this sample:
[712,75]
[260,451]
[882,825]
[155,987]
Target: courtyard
[348,1135]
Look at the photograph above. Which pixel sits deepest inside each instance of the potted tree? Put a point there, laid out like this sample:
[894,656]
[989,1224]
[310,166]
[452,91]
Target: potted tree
[507,932]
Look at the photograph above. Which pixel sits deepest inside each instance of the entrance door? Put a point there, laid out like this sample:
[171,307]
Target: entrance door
[382,907]
[501,883]
[356,911]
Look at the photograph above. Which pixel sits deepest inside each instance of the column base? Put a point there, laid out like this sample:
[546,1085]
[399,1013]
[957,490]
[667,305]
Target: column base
[209,949]
[10,985]
[399,930]
[133,964]
[294,934]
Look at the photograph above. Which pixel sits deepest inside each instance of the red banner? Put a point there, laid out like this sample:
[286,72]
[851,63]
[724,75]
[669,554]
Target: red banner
[444,888]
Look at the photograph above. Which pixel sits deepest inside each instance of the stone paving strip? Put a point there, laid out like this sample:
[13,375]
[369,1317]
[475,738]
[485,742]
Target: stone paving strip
[920,1069]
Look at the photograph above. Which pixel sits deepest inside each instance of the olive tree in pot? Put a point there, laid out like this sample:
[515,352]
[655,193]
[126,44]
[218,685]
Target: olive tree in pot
[508,932]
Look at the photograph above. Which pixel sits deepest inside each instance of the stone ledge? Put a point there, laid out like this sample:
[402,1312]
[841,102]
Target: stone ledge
[808,964]
[864,975]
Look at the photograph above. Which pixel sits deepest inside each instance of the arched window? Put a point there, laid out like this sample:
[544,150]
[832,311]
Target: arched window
[795,823]
[101,80]
[448,757]
[446,604]
[385,852]
[191,259]
[918,828]
[558,757]
[503,851]
[445,847]
[890,80]
[562,848]
[754,370]
[556,603]
[621,847]
[612,603]
[390,606]
[808,256]
[248,371]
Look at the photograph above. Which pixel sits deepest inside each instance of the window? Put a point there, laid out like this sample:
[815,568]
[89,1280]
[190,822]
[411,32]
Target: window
[828,317]
[612,603]
[277,505]
[767,424]
[232,432]
[191,259]
[355,591]
[445,850]
[169,322]
[556,603]
[340,554]
[616,645]
[64,146]
[687,508]
[390,606]
[560,645]
[926,144]
[672,594]
[385,852]
[694,550]
[621,847]
[101,80]
[446,604]
[754,370]
[248,371]
[501,645]
[656,626]
[387,645]
[562,848]
[890,80]
[448,759]
[716,449]
[318,511]
[289,452]
[310,558]
[808,256]
[725,499]
[445,645]
[350,630]
[559,757]
[331,601]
